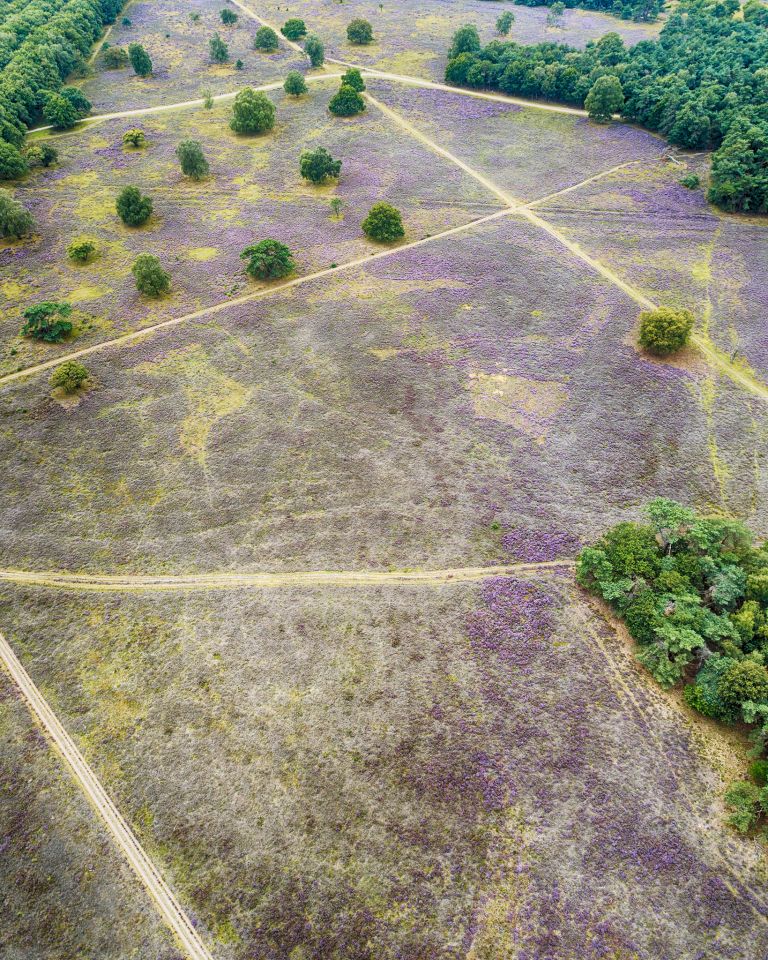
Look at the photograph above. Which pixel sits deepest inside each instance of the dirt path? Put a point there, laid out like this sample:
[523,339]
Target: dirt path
[149,875]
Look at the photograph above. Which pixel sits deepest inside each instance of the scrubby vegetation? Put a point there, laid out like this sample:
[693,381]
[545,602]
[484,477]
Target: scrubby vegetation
[295,85]
[315,50]
[192,159]
[353,78]
[266,40]
[81,251]
[140,60]
[360,32]
[627,9]
[69,376]
[15,220]
[294,29]
[664,331]
[135,138]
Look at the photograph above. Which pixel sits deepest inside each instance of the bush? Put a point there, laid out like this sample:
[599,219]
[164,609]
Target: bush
[114,58]
[59,112]
[294,29]
[266,40]
[383,223]
[268,260]
[346,102]
[133,207]
[15,220]
[353,78]
[81,251]
[12,164]
[295,85]
[314,49]
[318,165]
[504,23]
[604,99]
[140,61]
[69,377]
[228,17]
[151,279]
[360,32]
[218,50]
[134,138]
[47,321]
[252,112]
[192,160]
[664,331]
[41,155]
[743,798]
[239,64]
[690,181]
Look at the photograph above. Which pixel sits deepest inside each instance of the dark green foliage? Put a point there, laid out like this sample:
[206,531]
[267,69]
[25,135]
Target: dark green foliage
[745,680]
[239,64]
[150,277]
[268,260]
[555,14]
[228,17]
[605,98]
[15,220]
[318,165]
[315,50]
[744,799]
[114,58]
[758,770]
[133,207]
[465,40]
[140,61]
[294,29]
[79,101]
[81,251]
[665,331]
[59,112]
[643,616]
[69,376]
[690,181]
[755,11]
[252,112]
[353,78]
[346,102]
[12,164]
[295,85]
[504,23]
[192,160]
[218,50]
[383,223]
[40,155]
[47,321]
[360,31]
[266,40]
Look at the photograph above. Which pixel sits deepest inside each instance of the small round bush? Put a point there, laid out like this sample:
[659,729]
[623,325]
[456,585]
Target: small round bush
[12,164]
[383,223]
[353,78]
[192,160]
[691,181]
[114,58]
[134,138]
[268,260]
[133,207]
[81,251]
[41,155]
[59,112]
[15,220]
[295,84]
[318,165]
[69,377]
[252,112]
[151,279]
[218,50]
[266,40]
[360,31]
[665,330]
[47,321]
[294,29]
[744,680]
[140,60]
[239,64]
[228,17]
[346,102]
[315,50]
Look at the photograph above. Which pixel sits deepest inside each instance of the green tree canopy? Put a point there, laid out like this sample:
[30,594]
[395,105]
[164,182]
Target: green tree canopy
[268,260]
[318,165]
[140,60]
[295,85]
[252,112]
[133,208]
[294,29]
[383,223]
[360,31]
[266,40]
[346,102]
[150,277]
[192,159]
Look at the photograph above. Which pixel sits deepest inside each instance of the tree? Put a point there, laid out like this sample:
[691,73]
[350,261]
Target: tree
[295,85]
[59,112]
[383,223]
[604,99]
[133,207]
[239,64]
[81,251]
[218,50]
[114,58]
[47,321]
[353,78]
[346,102]
[266,40]
[504,23]
[465,40]
[691,128]
[13,166]
[134,138]
[360,31]
[41,155]
[555,14]
[79,101]
[69,376]
[294,29]
[754,11]
[151,279]
[228,17]
[252,112]
[318,165]
[745,680]
[192,160]
[664,331]
[140,61]
[314,49]
[15,220]
[268,260]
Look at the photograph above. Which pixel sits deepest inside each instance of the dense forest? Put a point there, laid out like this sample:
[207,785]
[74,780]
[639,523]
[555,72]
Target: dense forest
[703,84]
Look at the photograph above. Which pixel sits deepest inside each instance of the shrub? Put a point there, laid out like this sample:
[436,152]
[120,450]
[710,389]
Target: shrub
[353,78]
[59,112]
[12,164]
[360,31]
[69,376]
[41,155]
[218,50]
[15,220]
[318,165]
[135,138]
[114,58]
[690,181]
[346,102]
[315,50]
[268,260]
[743,798]
[266,40]
[758,770]
[239,64]
[47,321]
[81,251]
[604,99]
[140,60]
[555,14]
[336,206]
[133,207]
[207,98]
[228,17]
[746,680]
[504,23]
[192,160]
[151,279]
[383,223]
[664,331]
[295,85]
[294,29]
[252,112]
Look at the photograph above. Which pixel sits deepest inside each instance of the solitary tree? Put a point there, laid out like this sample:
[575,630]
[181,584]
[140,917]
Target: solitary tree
[346,102]
[192,160]
[15,220]
[360,31]
[383,223]
[665,331]
[268,260]
[59,112]
[47,321]
[604,99]
[555,14]
[295,85]
[12,163]
[219,51]
[140,61]
[134,138]
[81,251]
[133,207]
[314,49]
[465,40]
[294,29]
[151,279]
[114,58]
[504,23]
[252,112]
[228,17]
[266,40]
[69,376]
[353,78]
[318,165]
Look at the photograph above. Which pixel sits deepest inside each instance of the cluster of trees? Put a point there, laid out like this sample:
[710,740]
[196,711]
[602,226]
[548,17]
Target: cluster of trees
[693,592]
[348,100]
[702,84]
[644,10]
